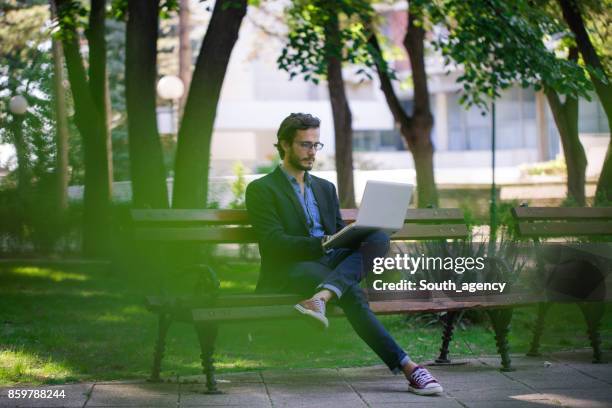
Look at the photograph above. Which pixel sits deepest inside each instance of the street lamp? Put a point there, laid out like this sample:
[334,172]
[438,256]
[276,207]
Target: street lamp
[18,105]
[170,87]
[493,204]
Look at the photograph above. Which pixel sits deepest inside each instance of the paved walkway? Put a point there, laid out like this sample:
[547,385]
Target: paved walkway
[562,379]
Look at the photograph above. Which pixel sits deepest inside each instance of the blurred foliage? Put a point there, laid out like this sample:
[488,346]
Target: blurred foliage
[551,167]
[307,51]
[598,21]
[27,70]
[499,44]
[238,187]
[268,167]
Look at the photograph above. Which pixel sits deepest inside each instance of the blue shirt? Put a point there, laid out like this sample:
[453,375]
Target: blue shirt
[308,202]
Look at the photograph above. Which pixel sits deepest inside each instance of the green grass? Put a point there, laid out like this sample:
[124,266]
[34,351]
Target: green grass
[73,322]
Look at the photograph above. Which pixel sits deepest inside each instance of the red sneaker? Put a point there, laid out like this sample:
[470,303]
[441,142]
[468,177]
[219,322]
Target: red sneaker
[421,382]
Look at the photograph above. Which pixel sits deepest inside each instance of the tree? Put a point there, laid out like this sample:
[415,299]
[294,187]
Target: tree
[61,121]
[322,36]
[572,15]
[415,127]
[488,40]
[89,103]
[148,175]
[195,134]
[26,71]
[565,114]
[184,47]
[343,127]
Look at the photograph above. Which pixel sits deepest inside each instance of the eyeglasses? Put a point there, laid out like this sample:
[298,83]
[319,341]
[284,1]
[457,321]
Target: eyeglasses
[309,145]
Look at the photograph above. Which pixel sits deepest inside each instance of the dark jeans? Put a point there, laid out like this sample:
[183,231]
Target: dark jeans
[343,269]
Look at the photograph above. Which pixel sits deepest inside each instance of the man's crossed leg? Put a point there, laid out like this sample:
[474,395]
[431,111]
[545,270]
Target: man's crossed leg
[336,277]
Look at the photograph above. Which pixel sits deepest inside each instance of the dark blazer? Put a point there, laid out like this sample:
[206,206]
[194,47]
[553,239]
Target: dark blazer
[281,226]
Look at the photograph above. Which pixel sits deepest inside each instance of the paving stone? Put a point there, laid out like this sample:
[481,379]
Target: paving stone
[240,394]
[428,402]
[583,355]
[592,398]
[519,361]
[308,389]
[366,372]
[560,376]
[538,403]
[310,376]
[247,377]
[150,395]
[318,400]
[75,396]
[482,392]
[602,372]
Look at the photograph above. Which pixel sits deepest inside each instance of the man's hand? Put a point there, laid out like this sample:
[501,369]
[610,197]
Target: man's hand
[325,239]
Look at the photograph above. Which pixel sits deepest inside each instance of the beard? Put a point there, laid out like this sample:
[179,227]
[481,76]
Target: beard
[301,163]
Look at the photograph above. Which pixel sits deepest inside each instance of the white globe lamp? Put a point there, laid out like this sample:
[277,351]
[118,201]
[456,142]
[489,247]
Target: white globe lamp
[170,87]
[18,105]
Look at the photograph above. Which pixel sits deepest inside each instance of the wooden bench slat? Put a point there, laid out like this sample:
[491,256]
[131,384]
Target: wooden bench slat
[552,213]
[229,314]
[247,234]
[418,215]
[444,231]
[229,300]
[413,215]
[564,229]
[204,216]
[213,235]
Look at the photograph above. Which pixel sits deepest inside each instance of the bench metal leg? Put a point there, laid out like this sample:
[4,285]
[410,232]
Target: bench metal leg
[593,313]
[500,320]
[164,321]
[207,335]
[447,335]
[534,349]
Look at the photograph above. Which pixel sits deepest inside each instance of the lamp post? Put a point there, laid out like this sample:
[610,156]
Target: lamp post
[18,106]
[170,87]
[493,202]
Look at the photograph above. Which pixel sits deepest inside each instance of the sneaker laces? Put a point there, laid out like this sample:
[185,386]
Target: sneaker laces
[319,304]
[422,377]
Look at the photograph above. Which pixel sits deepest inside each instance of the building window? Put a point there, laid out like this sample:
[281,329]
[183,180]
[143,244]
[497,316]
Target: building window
[592,118]
[377,141]
[515,122]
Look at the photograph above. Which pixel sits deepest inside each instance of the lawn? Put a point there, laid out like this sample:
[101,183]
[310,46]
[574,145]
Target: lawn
[62,322]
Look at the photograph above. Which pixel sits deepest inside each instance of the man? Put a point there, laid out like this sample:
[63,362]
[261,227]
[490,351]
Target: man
[293,213]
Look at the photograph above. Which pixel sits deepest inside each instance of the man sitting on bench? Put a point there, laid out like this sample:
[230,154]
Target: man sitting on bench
[293,213]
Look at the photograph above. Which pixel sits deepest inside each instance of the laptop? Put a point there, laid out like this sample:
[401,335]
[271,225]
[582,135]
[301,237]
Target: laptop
[383,208]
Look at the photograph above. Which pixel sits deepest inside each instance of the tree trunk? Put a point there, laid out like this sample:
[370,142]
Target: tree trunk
[98,78]
[195,134]
[61,122]
[603,88]
[61,125]
[343,129]
[419,136]
[96,203]
[415,128]
[422,153]
[603,194]
[149,188]
[184,49]
[21,151]
[566,119]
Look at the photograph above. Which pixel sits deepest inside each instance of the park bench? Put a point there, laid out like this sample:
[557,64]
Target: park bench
[586,283]
[209,309]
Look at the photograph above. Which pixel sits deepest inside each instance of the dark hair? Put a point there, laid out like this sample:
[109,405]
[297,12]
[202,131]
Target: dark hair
[290,125]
